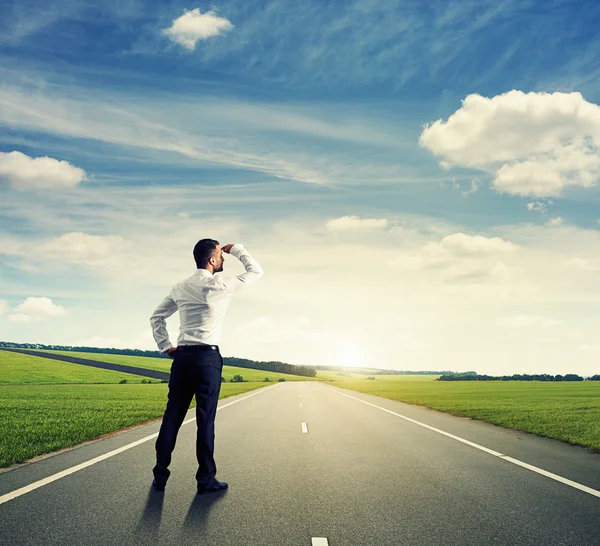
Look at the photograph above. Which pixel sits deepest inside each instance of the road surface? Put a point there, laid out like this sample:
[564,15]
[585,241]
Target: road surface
[313,464]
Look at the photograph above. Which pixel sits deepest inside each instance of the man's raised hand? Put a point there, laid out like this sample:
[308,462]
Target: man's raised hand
[227,248]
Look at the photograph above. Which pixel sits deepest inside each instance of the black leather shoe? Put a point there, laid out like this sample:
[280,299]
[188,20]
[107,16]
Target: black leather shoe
[212,487]
[159,486]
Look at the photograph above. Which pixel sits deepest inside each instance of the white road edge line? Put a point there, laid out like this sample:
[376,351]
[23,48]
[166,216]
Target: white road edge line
[541,471]
[304,428]
[319,541]
[26,489]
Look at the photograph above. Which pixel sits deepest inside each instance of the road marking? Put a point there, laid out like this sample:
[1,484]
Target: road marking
[541,471]
[304,428]
[556,477]
[301,405]
[319,541]
[26,489]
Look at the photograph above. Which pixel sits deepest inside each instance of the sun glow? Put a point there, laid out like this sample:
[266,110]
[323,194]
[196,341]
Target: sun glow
[351,356]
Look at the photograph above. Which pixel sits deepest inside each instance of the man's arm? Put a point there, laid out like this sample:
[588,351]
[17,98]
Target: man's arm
[253,269]
[159,326]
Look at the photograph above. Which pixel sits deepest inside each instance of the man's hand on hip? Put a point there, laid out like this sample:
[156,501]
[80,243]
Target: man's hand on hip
[171,352]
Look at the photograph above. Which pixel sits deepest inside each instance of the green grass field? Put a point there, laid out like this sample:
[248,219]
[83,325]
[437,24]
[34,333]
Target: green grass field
[164,365]
[567,411]
[24,369]
[37,419]
[47,405]
[67,407]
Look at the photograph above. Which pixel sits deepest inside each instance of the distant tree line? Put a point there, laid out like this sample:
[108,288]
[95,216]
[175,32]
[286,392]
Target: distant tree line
[473,376]
[271,366]
[40,346]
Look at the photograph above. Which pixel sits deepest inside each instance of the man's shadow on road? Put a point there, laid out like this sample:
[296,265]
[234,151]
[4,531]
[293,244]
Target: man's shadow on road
[195,521]
[150,521]
[197,516]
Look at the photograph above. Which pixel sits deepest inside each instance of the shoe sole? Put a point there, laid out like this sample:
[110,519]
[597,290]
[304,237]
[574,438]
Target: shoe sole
[212,490]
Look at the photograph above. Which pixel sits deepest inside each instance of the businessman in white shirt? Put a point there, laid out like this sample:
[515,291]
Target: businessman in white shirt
[202,301]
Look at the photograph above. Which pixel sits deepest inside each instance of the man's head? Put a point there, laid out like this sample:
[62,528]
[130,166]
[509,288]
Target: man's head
[208,255]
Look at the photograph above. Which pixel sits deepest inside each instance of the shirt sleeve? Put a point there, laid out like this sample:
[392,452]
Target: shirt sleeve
[159,326]
[253,270]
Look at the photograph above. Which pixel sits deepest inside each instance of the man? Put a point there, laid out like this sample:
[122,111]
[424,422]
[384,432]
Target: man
[202,301]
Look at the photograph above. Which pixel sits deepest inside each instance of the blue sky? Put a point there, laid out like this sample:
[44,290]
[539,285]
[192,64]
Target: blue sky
[417,179]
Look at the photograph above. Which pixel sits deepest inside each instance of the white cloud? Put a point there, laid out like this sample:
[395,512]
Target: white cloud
[41,308]
[355,222]
[194,26]
[581,264]
[145,259]
[538,206]
[24,172]
[475,184]
[548,175]
[3,306]
[20,318]
[35,309]
[537,143]
[83,248]
[555,221]
[459,257]
[461,244]
[104,255]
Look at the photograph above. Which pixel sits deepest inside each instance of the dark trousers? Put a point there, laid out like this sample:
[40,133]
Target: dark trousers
[192,373]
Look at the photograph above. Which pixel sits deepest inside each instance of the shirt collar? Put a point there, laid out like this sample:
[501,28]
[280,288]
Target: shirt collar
[203,272]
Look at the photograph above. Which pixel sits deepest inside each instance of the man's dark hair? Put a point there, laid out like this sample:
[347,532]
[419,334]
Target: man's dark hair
[203,251]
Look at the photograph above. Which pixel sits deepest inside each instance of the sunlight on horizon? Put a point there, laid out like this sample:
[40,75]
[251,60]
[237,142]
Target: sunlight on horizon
[351,356]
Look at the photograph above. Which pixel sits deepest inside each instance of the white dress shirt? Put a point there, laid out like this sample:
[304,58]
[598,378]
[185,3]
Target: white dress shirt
[202,301]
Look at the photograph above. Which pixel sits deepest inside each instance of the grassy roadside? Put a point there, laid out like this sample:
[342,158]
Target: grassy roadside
[164,365]
[568,411]
[38,419]
[18,369]
[68,406]
[47,405]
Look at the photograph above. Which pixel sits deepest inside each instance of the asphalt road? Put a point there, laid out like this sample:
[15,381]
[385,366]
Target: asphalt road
[353,475]
[154,374]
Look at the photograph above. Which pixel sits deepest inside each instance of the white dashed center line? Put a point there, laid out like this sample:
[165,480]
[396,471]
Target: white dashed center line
[304,428]
[319,541]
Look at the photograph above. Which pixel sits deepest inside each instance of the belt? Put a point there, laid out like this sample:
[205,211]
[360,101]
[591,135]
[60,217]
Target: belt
[197,347]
